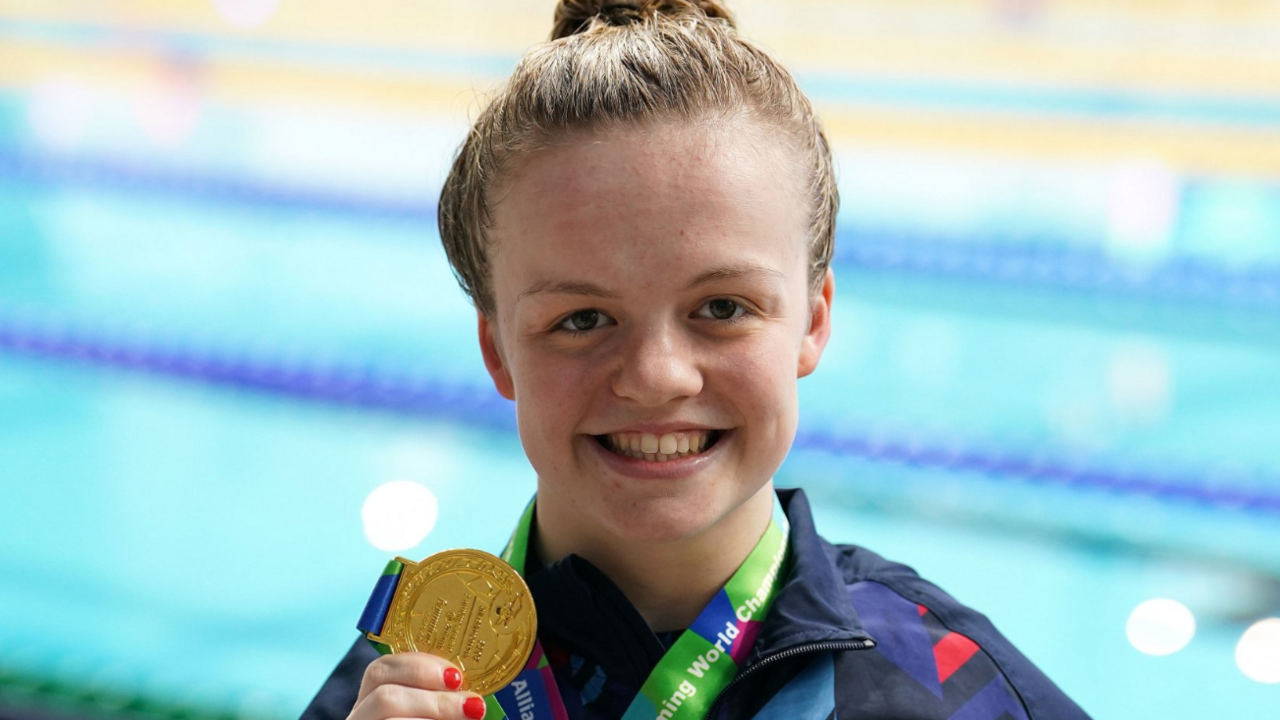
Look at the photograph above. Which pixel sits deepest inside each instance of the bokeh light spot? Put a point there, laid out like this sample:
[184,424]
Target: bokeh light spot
[1160,627]
[61,112]
[1258,652]
[167,111]
[1142,210]
[399,515]
[1140,379]
[246,13]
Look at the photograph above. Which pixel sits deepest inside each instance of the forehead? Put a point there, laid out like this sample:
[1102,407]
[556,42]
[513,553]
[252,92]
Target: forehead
[667,188]
[708,154]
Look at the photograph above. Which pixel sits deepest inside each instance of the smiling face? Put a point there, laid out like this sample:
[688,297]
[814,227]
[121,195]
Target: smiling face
[652,314]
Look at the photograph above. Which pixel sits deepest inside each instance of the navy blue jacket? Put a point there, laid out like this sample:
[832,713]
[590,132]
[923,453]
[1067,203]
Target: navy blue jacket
[850,635]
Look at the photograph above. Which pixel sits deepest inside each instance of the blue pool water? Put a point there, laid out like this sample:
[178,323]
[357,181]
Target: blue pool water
[191,543]
[150,520]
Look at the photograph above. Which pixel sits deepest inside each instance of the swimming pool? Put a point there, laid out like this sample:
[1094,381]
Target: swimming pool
[216,344]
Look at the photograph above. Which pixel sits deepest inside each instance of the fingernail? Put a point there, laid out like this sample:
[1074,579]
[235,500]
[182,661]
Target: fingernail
[452,678]
[473,708]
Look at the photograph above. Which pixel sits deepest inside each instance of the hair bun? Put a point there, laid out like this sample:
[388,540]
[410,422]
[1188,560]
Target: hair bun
[578,16]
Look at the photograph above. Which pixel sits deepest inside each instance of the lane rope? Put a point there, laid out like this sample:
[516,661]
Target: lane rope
[1012,259]
[368,387]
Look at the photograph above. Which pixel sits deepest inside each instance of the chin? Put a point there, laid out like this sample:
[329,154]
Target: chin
[662,519]
[658,521]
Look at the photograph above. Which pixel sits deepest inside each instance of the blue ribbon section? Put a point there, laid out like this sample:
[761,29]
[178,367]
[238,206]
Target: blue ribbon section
[375,612]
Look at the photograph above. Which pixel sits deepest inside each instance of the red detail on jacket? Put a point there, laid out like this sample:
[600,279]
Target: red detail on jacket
[952,652]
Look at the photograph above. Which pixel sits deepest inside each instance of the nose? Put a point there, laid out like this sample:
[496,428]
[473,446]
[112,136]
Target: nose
[658,365]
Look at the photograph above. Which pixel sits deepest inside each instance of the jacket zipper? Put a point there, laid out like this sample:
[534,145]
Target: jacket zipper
[785,655]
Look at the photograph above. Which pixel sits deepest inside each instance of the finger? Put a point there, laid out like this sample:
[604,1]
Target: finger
[397,701]
[414,670]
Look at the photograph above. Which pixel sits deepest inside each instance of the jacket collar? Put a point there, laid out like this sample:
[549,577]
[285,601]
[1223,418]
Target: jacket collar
[813,604]
[581,611]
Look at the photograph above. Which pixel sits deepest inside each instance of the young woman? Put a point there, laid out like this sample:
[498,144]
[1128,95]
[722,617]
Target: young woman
[644,219]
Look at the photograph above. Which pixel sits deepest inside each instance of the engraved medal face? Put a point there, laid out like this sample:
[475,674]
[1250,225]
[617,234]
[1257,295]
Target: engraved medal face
[468,607]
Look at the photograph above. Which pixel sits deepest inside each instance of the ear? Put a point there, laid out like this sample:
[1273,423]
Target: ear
[494,362]
[815,340]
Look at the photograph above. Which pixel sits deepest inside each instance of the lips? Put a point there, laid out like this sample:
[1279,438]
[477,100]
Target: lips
[659,448]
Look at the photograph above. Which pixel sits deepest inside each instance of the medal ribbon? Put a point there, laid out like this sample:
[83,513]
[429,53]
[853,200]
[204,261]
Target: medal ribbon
[698,666]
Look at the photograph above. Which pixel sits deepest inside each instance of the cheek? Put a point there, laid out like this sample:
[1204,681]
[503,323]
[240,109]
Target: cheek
[762,383]
[552,395]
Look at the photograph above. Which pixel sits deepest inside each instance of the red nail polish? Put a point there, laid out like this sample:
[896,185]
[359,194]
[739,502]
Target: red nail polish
[452,678]
[473,708]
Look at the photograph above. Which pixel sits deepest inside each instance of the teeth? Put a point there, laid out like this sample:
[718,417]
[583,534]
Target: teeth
[655,448]
[649,443]
[667,444]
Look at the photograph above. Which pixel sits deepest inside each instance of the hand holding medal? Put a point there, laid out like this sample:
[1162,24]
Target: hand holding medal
[472,609]
[468,611]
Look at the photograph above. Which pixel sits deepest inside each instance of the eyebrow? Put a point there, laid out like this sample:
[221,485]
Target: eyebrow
[737,272]
[587,289]
[567,287]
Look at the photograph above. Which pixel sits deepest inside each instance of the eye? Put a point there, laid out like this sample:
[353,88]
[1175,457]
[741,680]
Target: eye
[721,309]
[584,321]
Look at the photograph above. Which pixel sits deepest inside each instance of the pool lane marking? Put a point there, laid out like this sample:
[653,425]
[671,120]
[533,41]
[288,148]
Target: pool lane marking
[1026,262]
[371,388]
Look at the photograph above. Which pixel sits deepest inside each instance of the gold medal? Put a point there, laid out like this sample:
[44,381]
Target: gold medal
[468,607]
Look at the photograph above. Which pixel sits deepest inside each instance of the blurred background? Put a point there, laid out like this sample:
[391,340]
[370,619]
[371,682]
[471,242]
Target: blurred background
[236,374]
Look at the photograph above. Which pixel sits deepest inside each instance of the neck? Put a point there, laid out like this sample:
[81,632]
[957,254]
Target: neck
[668,582]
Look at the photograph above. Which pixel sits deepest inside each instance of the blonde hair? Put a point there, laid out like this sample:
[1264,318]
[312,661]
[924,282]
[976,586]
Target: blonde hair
[625,64]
